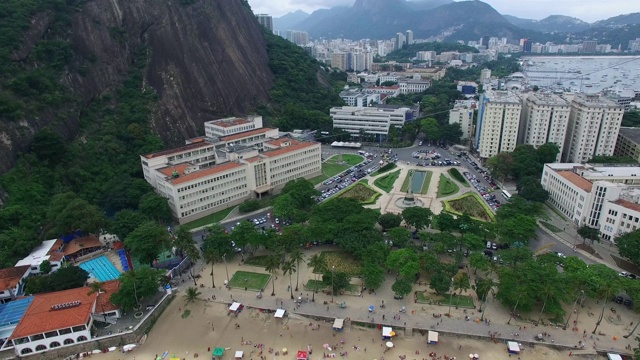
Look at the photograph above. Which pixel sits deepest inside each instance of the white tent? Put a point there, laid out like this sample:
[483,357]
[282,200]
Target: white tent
[611,356]
[513,347]
[235,306]
[338,324]
[386,331]
[280,313]
[432,337]
[239,354]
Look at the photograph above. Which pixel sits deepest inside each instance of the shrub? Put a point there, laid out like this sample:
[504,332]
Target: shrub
[387,167]
[249,206]
[456,175]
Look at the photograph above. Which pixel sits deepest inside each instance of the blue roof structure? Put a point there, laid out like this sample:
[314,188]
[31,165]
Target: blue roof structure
[11,313]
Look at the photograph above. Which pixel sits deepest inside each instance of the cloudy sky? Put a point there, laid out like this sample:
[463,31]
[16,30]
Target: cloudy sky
[587,10]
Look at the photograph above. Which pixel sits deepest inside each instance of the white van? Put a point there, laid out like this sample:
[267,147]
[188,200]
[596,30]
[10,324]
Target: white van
[488,244]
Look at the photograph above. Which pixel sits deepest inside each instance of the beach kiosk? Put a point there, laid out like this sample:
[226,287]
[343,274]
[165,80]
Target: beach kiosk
[217,353]
[387,333]
[513,347]
[612,356]
[338,324]
[236,308]
[279,313]
[302,355]
[432,338]
[239,354]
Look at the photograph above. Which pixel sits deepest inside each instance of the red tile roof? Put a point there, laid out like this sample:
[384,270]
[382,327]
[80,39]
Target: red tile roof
[78,244]
[628,204]
[245,134]
[40,318]
[194,146]
[10,277]
[253,159]
[104,303]
[54,254]
[290,148]
[180,168]
[280,141]
[576,180]
[205,172]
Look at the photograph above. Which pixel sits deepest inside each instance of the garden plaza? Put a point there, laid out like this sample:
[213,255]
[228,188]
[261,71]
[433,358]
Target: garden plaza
[236,160]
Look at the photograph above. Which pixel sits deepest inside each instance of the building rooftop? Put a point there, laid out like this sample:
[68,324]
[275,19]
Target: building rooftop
[179,168]
[627,204]
[545,98]
[295,145]
[78,244]
[178,150]
[576,180]
[245,134]
[39,254]
[253,159]
[502,96]
[104,303]
[204,172]
[631,133]
[10,277]
[595,100]
[229,122]
[40,317]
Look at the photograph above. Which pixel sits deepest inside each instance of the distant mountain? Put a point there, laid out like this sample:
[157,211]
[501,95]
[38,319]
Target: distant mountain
[290,20]
[427,4]
[620,20]
[551,24]
[382,19]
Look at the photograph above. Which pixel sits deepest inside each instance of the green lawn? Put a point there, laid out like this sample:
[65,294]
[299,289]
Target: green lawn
[342,262]
[314,285]
[249,280]
[407,182]
[378,172]
[551,227]
[463,301]
[209,219]
[455,173]
[261,260]
[386,182]
[425,184]
[446,186]
[331,168]
[471,204]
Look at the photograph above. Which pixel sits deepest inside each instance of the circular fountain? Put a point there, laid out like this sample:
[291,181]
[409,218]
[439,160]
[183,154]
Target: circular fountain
[408,201]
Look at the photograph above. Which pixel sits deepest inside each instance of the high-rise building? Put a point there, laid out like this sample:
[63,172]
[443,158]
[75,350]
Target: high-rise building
[339,60]
[298,37]
[400,41]
[498,121]
[462,113]
[266,21]
[485,75]
[628,143]
[409,37]
[527,45]
[544,120]
[484,41]
[589,46]
[594,123]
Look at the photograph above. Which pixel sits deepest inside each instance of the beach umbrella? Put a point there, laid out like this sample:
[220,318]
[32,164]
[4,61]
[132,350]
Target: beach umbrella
[371,308]
[470,356]
[475,356]
[326,346]
[284,350]
[389,344]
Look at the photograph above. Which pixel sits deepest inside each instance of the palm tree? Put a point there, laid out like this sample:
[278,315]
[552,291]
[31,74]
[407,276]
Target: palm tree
[273,265]
[297,256]
[318,263]
[289,267]
[461,282]
[211,257]
[98,287]
[605,291]
[484,286]
[192,294]
[549,290]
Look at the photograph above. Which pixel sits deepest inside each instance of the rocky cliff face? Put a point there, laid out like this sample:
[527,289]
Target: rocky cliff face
[205,59]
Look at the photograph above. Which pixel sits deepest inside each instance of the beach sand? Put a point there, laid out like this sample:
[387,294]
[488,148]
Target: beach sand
[209,326]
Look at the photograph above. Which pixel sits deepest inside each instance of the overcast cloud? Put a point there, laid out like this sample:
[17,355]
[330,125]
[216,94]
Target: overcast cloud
[587,10]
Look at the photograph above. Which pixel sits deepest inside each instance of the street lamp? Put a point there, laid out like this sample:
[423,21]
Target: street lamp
[333,268]
[450,297]
[224,257]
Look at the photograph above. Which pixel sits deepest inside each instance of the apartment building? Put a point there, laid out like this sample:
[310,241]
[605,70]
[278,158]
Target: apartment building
[602,197]
[410,86]
[628,143]
[544,119]
[358,98]
[374,120]
[246,163]
[462,113]
[266,21]
[593,127]
[498,122]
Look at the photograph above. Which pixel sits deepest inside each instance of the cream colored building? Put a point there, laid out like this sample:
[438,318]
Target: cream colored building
[544,119]
[628,143]
[498,123]
[372,120]
[211,174]
[462,113]
[593,127]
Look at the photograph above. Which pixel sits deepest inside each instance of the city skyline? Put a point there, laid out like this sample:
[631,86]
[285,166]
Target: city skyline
[586,10]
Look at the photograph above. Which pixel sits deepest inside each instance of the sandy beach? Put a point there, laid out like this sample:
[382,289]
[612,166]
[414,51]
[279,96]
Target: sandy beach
[209,326]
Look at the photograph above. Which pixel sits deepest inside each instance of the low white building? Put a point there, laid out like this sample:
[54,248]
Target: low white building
[601,197]
[375,120]
[49,250]
[410,86]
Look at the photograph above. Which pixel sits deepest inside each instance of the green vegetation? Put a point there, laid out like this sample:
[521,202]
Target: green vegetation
[261,261]
[249,280]
[384,169]
[314,285]
[332,167]
[408,52]
[425,185]
[470,204]
[348,159]
[339,262]
[446,186]
[455,173]
[386,182]
[631,119]
[68,277]
[462,301]
[551,227]
[209,219]
[502,67]
[299,99]
[361,192]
